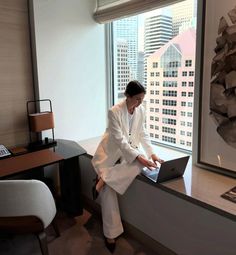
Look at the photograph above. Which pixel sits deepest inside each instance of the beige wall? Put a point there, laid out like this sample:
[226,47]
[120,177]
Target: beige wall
[16,82]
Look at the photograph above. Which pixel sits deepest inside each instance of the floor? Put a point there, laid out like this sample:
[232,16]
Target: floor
[79,236]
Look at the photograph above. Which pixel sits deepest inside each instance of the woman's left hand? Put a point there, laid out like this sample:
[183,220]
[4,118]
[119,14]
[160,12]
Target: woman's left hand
[156,159]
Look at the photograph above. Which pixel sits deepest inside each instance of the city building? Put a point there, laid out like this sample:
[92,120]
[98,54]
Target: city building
[121,67]
[157,32]
[184,15]
[170,87]
[140,73]
[127,29]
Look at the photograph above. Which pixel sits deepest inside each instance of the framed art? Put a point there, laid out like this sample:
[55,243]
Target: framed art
[217,104]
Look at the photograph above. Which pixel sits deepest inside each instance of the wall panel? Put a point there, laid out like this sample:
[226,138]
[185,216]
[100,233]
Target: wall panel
[16,80]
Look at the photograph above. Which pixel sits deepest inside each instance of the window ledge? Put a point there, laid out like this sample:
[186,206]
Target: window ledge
[204,188]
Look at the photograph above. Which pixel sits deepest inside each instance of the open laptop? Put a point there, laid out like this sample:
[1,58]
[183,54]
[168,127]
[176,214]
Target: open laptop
[168,170]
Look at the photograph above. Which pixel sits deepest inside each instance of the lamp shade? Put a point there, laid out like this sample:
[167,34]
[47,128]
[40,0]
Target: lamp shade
[41,121]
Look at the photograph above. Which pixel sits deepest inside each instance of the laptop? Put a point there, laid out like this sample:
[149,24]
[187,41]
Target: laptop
[166,171]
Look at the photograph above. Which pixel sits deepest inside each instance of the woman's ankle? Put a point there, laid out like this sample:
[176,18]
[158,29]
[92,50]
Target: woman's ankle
[99,184]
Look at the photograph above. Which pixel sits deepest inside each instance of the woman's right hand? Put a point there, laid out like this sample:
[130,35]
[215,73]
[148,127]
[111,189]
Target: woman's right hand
[145,162]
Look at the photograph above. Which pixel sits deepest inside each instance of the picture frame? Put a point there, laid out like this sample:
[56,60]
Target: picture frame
[217,95]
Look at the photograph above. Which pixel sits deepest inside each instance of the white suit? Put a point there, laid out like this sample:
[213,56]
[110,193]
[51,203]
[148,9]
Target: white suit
[119,143]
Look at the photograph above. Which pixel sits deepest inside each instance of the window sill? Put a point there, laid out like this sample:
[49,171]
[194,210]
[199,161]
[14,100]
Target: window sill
[201,187]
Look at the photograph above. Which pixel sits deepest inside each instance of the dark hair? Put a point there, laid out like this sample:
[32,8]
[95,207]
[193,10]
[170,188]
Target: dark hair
[134,88]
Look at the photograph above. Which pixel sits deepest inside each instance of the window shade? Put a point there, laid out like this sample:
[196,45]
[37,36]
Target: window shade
[109,10]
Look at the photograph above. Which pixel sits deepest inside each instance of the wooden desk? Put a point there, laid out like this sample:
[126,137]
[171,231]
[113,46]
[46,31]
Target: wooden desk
[21,163]
[66,153]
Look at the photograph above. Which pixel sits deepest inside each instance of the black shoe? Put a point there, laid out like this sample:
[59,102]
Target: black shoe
[110,246]
[95,193]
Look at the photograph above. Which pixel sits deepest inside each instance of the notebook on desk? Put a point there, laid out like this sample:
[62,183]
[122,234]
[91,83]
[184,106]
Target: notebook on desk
[166,171]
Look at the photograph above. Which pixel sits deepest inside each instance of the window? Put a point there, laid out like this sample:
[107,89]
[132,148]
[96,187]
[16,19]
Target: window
[169,102]
[188,63]
[189,144]
[169,112]
[169,121]
[168,130]
[169,83]
[155,64]
[170,74]
[168,139]
[169,93]
[146,48]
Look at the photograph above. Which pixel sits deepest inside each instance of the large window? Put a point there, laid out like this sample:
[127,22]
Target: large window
[157,48]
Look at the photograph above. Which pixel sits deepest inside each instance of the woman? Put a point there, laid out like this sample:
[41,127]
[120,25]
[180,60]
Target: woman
[118,160]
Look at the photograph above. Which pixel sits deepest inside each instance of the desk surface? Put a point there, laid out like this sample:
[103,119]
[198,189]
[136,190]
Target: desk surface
[65,149]
[17,164]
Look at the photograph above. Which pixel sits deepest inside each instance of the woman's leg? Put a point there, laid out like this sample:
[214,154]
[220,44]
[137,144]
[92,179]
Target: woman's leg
[120,176]
[112,225]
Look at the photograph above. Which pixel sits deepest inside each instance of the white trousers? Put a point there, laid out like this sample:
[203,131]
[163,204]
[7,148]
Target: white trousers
[117,179]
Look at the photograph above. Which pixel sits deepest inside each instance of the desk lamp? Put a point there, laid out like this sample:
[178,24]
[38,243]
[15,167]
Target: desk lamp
[38,122]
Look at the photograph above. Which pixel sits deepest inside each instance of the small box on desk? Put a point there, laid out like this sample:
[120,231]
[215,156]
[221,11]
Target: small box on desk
[41,121]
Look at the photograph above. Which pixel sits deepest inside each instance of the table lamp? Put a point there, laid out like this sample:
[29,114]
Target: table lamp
[40,121]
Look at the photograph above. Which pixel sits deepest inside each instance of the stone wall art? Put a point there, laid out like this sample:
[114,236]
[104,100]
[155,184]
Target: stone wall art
[217,134]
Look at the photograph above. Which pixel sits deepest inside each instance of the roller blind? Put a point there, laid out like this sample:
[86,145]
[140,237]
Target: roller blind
[109,10]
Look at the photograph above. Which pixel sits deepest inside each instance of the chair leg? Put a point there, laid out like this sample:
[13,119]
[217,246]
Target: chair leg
[42,237]
[55,227]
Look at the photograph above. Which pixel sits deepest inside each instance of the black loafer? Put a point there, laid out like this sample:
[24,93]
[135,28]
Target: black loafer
[110,246]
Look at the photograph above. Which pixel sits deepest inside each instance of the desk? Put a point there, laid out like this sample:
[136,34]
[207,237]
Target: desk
[66,153]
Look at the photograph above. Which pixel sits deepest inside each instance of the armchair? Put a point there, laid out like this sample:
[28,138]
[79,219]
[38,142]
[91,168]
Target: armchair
[27,206]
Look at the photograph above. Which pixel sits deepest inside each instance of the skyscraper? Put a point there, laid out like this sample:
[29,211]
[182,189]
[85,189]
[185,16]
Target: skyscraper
[157,32]
[127,29]
[140,73]
[122,69]
[184,15]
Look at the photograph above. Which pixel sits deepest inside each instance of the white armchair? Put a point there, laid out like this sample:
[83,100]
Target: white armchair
[27,206]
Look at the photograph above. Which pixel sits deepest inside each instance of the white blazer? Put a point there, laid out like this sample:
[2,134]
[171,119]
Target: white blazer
[117,142]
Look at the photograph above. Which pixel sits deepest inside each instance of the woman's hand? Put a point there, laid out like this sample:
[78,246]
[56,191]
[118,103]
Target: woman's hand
[145,162]
[156,159]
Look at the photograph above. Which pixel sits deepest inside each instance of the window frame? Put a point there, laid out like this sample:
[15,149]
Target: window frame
[195,124]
